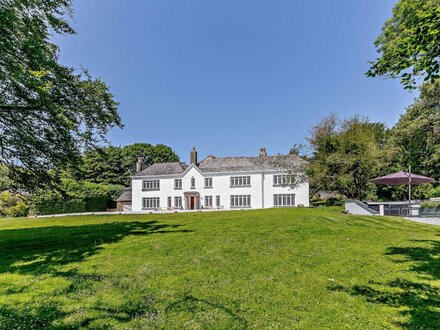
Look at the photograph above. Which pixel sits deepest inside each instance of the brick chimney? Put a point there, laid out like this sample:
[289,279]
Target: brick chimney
[193,156]
[263,152]
[140,164]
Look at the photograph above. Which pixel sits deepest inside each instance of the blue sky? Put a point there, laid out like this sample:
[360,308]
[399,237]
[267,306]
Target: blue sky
[229,77]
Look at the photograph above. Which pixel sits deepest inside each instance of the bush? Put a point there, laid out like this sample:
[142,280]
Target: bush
[333,202]
[430,205]
[434,192]
[13,205]
[51,202]
[96,204]
[18,210]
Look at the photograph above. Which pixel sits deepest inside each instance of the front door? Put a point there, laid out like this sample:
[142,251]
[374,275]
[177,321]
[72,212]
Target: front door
[192,203]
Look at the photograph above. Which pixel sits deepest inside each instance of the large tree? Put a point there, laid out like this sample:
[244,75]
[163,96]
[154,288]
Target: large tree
[409,45]
[416,136]
[115,165]
[346,154]
[48,112]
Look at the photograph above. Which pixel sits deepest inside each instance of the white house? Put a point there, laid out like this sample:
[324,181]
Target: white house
[219,183]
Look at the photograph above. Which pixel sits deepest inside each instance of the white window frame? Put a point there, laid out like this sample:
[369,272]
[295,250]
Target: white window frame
[177,184]
[178,202]
[169,202]
[193,183]
[284,200]
[240,181]
[217,200]
[208,182]
[280,180]
[150,185]
[240,201]
[208,201]
[150,203]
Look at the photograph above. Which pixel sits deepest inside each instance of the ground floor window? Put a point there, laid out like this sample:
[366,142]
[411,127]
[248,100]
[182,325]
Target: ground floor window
[284,200]
[208,201]
[178,202]
[150,202]
[217,201]
[240,200]
[169,201]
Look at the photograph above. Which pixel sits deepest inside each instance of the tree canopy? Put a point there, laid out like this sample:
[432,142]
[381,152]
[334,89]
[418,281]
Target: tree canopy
[48,112]
[416,136]
[346,154]
[115,165]
[409,44]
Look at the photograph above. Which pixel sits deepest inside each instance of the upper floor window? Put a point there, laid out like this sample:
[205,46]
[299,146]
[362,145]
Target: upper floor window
[150,185]
[208,182]
[193,183]
[177,183]
[240,181]
[282,180]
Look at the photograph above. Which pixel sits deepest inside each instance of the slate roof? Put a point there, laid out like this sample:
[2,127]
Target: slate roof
[213,164]
[242,164]
[163,169]
[125,195]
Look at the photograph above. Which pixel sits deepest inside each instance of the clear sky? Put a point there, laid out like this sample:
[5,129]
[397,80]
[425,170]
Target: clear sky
[229,77]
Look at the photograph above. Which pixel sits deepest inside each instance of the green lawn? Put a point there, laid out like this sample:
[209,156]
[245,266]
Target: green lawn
[279,268]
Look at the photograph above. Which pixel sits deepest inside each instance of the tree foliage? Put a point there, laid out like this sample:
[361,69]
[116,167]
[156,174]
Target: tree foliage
[48,112]
[115,165]
[346,154]
[416,136]
[409,44]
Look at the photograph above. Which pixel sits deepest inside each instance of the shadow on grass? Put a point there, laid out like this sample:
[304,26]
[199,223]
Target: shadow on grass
[37,251]
[420,300]
[44,251]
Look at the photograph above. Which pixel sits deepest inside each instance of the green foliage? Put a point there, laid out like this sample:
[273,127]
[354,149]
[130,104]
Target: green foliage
[294,268]
[409,44]
[430,205]
[75,196]
[115,165]
[416,136]
[13,205]
[49,112]
[52,202]
[434,192]
[346,155]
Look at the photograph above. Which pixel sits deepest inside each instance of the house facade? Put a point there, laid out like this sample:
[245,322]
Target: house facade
[219,183]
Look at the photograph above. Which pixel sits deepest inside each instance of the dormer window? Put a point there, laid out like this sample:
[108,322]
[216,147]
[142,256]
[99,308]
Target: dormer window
[193,183]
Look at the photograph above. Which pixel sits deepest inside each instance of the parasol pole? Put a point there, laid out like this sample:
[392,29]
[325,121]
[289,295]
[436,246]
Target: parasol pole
[409,185]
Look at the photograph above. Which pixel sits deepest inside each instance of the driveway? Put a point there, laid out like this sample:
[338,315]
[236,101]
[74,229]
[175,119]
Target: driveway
[430,221]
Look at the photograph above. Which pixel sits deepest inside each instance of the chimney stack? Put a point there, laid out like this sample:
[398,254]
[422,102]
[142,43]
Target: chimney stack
[140,164]
[193,156]
[263,152]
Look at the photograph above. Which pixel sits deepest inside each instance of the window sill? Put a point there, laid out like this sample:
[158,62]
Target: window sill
[177,188]
[193,188]
[208,187]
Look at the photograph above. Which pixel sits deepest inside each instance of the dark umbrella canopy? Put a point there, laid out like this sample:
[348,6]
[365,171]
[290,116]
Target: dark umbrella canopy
[402,178]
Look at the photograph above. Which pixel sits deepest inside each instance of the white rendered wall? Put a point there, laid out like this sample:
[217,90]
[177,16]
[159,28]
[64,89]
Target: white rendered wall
[221,187]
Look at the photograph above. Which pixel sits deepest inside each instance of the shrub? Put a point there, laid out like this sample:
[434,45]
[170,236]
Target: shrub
[434,192]
[51,202]
[430,205]
[18,210]
[333,202]
[13,205]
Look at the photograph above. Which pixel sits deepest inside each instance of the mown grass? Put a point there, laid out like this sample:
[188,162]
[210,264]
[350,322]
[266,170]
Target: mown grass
[279,268]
